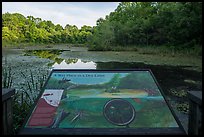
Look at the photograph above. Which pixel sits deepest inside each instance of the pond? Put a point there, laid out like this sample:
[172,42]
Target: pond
[175,80]
[169,77]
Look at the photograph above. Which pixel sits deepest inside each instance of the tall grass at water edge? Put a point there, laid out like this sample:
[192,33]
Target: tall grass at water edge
[26,93]
[152,49]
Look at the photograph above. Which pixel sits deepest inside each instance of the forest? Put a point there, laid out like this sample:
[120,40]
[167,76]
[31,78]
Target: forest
[174,25]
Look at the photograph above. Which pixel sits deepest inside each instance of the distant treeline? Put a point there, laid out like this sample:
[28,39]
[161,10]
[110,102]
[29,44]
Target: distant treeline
[177,24]
[19,29]
[171,24]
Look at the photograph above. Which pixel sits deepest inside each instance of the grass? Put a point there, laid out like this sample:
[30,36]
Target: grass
[114,48]
[7,76]
[23,45]
[26,95]
[153,50]
[171,51]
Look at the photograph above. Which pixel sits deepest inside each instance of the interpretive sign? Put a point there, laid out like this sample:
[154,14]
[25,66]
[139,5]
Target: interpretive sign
[101,101]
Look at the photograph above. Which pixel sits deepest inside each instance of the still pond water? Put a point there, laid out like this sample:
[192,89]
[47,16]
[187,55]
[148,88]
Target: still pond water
[173,80]
[169,77]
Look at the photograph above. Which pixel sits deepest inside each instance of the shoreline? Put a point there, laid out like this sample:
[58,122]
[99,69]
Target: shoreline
[188,62]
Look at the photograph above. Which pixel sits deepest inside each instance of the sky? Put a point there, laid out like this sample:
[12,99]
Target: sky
[72,13]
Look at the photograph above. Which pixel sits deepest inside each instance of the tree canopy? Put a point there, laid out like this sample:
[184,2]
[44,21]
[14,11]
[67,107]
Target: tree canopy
[172,24]
[17,28]
[175,24]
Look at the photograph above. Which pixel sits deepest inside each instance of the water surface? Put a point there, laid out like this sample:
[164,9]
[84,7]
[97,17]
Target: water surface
[170,75]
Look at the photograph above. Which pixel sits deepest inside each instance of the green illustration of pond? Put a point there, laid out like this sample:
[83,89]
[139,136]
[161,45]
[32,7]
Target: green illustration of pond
[103,99]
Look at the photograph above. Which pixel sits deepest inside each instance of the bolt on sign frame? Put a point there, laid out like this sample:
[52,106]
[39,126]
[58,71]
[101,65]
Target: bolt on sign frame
[80,101]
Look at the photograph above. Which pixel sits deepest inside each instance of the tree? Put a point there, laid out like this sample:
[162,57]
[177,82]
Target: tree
[17,28]
[113,84]
[150,23]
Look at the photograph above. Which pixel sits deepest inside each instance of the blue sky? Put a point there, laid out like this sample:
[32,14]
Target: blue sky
[73,13]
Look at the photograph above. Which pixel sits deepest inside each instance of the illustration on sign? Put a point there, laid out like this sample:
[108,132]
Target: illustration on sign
[101,100]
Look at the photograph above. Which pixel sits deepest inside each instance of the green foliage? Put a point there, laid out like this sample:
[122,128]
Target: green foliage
[48,54]
[26,94]
[7,76]
[19,29]
[175,24]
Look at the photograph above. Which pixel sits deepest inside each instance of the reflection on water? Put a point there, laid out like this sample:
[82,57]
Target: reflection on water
[168,76]
[60,63]
[74,64]
[48,54]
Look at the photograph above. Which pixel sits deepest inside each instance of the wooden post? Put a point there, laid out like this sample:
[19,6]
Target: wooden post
[195,113]
[7,111]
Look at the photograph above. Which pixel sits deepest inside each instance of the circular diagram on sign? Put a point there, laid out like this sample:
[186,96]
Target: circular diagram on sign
[119,112]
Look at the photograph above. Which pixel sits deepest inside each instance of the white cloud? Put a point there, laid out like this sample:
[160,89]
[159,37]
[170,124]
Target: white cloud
[62,13]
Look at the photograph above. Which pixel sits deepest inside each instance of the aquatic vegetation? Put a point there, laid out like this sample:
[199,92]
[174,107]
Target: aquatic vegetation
[170,77]
[26,94]
[179,92]
[28,84]
[48,54]
[183,107]
[33,82]
[7,77]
